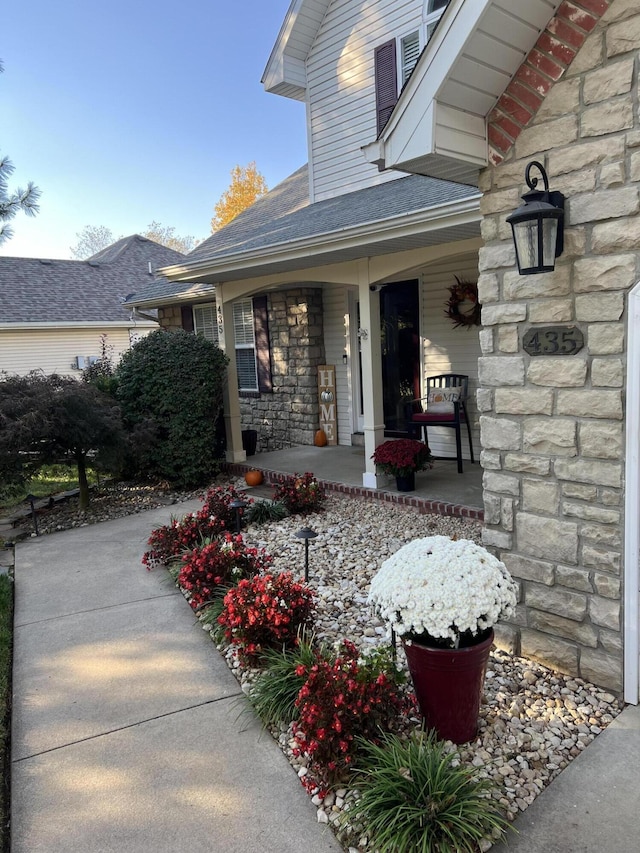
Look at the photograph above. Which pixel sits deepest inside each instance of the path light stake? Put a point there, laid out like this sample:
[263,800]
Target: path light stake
[32,499]
[238,505]
[306,533]
[394,650]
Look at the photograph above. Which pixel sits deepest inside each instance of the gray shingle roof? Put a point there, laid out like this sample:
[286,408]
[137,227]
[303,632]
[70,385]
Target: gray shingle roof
[284,215]
[34,290]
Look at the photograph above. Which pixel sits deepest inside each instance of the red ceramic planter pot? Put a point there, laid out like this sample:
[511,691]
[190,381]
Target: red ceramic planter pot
[448,685]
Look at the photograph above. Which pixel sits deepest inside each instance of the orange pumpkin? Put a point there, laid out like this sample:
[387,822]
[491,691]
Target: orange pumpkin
[320,439]
[253,477]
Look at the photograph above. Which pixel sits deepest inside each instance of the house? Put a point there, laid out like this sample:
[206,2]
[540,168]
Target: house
[423,118]
[54,312]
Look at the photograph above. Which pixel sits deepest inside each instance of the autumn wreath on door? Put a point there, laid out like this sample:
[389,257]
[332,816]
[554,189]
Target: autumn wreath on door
[463,307]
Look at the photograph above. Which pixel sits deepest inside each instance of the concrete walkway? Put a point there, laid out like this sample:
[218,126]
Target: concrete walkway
[128,731]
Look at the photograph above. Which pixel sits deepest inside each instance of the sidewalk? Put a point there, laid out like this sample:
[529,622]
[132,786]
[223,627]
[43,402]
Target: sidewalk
[127,726]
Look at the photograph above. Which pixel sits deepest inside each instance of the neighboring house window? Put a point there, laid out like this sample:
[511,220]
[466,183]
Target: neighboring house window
[205,322]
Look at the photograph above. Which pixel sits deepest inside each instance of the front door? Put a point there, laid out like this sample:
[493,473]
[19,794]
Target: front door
[400,320]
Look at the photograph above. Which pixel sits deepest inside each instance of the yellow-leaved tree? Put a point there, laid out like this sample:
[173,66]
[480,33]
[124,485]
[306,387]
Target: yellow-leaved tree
[247,185]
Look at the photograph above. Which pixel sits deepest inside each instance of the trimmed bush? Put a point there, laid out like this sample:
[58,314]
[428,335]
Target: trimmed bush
[169,386]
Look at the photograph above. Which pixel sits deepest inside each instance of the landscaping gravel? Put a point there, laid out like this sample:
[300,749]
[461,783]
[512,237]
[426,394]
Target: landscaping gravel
[533,721]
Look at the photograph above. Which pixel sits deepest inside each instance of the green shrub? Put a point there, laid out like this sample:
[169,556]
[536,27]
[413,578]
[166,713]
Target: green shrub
[170,389]
[262,512]
[412,798]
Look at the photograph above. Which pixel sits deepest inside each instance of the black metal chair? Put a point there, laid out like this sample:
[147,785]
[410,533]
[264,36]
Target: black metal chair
[444,406]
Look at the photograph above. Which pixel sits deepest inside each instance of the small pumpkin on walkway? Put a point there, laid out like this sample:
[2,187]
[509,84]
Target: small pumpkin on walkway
[253,477]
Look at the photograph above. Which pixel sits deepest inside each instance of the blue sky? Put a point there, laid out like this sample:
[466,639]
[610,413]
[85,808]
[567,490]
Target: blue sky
[128,112]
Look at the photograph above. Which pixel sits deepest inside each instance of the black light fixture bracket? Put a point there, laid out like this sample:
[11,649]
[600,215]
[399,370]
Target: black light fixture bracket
[554,197]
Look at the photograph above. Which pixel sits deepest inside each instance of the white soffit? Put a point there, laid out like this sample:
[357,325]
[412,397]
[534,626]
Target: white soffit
[438,127]
[285,73]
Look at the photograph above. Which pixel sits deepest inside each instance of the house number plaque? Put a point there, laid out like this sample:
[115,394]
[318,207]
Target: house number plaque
[553,340]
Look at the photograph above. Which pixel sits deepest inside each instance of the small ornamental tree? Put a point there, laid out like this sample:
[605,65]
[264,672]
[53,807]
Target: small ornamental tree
[170,390]
[48,419]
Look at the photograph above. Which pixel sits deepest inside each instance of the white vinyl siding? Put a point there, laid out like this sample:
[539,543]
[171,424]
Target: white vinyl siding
[205,322]
[245,338]
[336,337]
[341,92]
[449,350]
[56,350]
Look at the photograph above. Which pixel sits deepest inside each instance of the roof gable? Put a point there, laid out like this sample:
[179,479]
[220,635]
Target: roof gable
[480,81]
[285,73]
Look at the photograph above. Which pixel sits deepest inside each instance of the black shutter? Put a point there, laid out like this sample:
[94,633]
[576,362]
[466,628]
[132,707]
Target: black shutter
[187,317]
[263,350]
[386,82]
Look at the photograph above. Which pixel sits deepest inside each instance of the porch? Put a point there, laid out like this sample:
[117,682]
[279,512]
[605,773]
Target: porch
[439,490]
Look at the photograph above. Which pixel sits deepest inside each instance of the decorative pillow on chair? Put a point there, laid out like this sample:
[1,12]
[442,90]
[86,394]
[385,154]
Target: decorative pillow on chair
[440,400]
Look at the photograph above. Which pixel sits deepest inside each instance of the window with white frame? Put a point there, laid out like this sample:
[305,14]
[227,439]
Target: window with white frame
[433,13]
[408,53]
[205,322]
[244,330]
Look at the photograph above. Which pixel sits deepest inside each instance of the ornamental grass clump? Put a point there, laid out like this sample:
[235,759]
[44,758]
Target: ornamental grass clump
[266,612]
[343,699]
[402,457]
[413,798]
[450,591]
[209,570]
[300,494]
[275,690]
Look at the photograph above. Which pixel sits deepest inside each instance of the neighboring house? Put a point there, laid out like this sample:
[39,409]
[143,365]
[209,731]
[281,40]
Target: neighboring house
[54,312]
[499,83]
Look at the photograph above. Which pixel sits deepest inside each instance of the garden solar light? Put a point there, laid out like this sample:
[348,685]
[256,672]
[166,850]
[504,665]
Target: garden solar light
[306,533]
[238,505]
[32,499]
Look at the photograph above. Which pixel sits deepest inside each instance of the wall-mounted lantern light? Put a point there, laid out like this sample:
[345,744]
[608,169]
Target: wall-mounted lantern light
[538,226]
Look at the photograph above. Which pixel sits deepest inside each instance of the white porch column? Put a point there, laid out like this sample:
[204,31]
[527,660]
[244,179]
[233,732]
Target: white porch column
[371,344]
[226,342]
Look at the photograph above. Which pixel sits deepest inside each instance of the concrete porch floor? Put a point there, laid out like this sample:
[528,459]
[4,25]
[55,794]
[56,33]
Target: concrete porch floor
[345,465]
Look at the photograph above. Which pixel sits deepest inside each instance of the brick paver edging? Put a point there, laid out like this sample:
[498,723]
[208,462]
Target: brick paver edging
[426,506]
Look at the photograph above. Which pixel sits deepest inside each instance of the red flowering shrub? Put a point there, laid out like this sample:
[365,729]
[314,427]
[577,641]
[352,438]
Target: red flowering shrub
[219,563]
[341,700]
[266,612]
[217,505]
[172,539]
[300,494]
[213,518]
[403,456]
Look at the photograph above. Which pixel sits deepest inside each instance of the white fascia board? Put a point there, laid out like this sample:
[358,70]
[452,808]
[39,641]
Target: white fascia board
[89,324]
[406,224]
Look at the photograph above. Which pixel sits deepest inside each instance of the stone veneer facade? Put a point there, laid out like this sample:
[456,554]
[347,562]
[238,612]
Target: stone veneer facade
[289,414]
[552,428]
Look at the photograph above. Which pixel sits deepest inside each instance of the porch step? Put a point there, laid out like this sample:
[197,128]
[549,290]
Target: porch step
[357,439]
